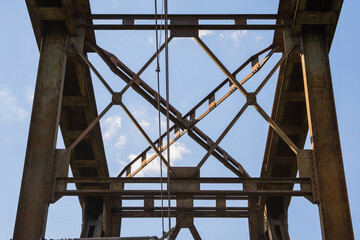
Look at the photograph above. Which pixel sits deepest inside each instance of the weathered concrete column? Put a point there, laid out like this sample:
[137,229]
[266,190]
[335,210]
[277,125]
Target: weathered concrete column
[36,182]
[334,205]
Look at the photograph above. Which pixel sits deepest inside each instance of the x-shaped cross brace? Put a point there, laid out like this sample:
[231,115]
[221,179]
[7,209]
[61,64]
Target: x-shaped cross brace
[182,122]
[175,116]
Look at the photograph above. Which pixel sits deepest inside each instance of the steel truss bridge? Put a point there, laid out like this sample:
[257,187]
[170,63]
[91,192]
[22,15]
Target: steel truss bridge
[304,102]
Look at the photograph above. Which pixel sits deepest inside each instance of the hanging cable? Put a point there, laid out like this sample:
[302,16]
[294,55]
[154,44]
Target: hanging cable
[165,8]
[159,116]
[167,108]
[161,19]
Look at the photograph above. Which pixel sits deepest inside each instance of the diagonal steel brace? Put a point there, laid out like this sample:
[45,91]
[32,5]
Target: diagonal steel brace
[139,87]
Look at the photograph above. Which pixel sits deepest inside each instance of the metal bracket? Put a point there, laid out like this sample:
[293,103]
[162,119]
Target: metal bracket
[251,98]
[118,98]
[184,220]
[306,165]
[184,31]
[60,169]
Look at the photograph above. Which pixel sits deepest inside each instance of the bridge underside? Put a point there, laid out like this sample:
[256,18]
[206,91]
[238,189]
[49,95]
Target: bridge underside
[303,104]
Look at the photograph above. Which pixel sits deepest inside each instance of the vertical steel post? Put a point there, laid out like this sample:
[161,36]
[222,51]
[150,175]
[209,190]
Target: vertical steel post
[276,215]
[256,218]
[113,224]
[276,219]
[36,182]
[334,205]
[92,217]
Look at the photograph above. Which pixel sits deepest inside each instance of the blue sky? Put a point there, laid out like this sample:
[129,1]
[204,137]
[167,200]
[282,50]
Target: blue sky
[192,76]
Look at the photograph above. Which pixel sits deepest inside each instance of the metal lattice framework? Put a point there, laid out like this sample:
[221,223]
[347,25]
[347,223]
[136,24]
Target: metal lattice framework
[303,102]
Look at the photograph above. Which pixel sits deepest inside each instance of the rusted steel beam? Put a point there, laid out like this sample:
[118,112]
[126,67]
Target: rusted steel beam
[233,165]
[185,204]
[114,238]
[272,48]
[299,12]
[145,135]
[276,127]
[113,222]
[316,18]
[189,26]
[230,76]
[193,214]
[70,21]
[194,232]
[251,100]
[256,214]
[223,134]
[85,163]
[300,7]
[50,13]
[320,104]
[64,14]
[183,16]
[96,72]
[39,161]
[276,219]
[189,209]
[158,197]
[74,101]
[141,87]
[135,77]
[150,95]
[118,100]
[213,193]
[290,116]
[293,96]
[41,12]
[217,180]
[174,234]
[90,127]
[77,113]
[92,212]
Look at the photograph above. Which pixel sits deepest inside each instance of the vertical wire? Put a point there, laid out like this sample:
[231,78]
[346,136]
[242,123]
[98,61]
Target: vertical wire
[161,19]
[167,108]
[159,115]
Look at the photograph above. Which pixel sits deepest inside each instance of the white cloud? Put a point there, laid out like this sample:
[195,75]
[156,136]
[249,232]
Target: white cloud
[239,35]
[234,35]
[30,95]
[121,141]
[151,170]
[143,123]
[258,38]
[132,156]
[9,107]
[151,40]
[204,33]
[177,150]
[139,112]
[119,160]
[112,124]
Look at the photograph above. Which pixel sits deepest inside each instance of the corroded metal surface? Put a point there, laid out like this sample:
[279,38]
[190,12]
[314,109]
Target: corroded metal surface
[295,108]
